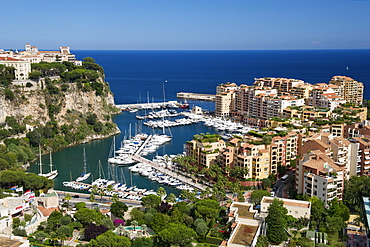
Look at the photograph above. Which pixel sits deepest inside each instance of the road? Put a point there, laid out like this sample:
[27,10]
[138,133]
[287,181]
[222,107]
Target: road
[103,203]
[280,188]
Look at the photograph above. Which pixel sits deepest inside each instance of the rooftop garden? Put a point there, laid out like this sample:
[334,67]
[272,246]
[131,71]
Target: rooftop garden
[203,138]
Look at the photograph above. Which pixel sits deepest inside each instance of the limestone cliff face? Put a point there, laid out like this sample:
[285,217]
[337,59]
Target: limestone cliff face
[32,105]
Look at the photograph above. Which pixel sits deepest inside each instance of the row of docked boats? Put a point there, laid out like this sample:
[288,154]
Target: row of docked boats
[168,123]
[160,114]
[153,174]
[141,144]
[227,125]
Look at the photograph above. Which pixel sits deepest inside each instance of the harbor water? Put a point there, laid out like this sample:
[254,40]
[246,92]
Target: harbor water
[70,161]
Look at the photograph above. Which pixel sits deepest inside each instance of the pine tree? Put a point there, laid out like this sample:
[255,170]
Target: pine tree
[276,222]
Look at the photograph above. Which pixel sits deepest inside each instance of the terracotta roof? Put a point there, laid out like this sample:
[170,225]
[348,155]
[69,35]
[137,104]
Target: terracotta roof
[47,211]
[9,59]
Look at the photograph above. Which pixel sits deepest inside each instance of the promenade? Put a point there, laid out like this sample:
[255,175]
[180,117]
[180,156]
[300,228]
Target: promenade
[166,171]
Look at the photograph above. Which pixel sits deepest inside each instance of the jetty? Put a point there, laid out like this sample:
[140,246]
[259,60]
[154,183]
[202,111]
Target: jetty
[168,104]
[184,179]
[197,96]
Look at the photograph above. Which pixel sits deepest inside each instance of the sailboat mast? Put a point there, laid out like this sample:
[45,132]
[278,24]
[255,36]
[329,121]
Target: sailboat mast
[99,169]
[51,162]
[40,159]
[164,95]
[84,160]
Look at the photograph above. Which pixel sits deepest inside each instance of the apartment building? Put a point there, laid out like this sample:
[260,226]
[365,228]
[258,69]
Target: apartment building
[357,130]
[351,90]
[325,96]
[301,90]
[206,149]
[364,155]
[225,103]
[256,158]
[317,175]
[282,85]
[22,67]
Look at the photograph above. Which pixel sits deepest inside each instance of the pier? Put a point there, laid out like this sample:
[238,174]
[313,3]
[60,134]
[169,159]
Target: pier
[184,179]
[197,96]
[143,106]
[143,145]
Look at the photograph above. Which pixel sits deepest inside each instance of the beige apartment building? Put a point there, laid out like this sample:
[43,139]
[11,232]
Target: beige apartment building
[206,150]
[317,175]
[351,90]
[282,85]
[225,103]
[296,208]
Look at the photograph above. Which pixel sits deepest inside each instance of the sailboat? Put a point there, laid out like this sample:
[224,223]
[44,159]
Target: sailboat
[85,175]
[53,173]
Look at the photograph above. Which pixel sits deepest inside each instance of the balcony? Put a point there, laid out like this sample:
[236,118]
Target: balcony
[331,186]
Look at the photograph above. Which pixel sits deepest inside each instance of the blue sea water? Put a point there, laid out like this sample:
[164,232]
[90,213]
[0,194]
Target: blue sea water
[134,74]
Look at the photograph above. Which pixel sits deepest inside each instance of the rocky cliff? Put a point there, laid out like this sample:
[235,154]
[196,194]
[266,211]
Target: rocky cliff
[79,107]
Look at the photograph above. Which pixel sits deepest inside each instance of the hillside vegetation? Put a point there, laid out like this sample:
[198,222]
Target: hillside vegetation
[63,104]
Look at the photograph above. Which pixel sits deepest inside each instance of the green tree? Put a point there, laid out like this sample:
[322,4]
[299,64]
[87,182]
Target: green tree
[142,242]
[64,232]
[171,198]
[276,222]
[87,216]
[68,197]
[338,209]
[257,196]
[161,192]
[262,241]
[176,234]
[201,229]
[318,210]
[160,222]
[118,209]
[80,205]
[110,239]
[207,209]
[266,183]
[151,201]
[334,224]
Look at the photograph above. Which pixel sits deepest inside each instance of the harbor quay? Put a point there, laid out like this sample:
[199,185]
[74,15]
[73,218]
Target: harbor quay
[197,96]
[168,104]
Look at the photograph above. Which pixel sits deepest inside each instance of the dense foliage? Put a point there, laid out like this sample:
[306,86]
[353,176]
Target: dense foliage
[26,180]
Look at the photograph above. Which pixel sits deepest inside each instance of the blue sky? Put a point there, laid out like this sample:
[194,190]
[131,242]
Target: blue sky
[186,24]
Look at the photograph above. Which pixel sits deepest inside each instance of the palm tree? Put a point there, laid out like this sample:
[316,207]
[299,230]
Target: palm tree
[120,230]
[110,189]
[101,193]
[134,223]
[68,197]
[115,198]
[92,198]
[161,192]
[144,228]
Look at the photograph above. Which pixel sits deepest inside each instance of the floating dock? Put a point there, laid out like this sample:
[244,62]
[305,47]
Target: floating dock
[197,96]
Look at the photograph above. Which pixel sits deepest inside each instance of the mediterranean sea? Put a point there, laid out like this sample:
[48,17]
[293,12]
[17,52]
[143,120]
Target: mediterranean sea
[133,75]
